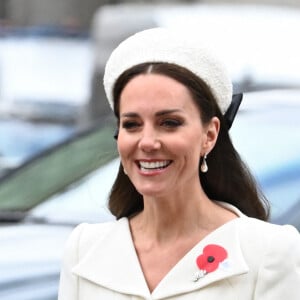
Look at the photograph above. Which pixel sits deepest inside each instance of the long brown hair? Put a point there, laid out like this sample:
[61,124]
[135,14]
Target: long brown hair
[228,179]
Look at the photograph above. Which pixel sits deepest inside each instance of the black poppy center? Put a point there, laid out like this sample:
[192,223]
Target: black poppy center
[210,259]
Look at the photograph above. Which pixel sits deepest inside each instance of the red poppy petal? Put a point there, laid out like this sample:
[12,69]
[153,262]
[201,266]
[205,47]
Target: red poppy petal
[218,252]
[201,261]
[210,267]
[203,264]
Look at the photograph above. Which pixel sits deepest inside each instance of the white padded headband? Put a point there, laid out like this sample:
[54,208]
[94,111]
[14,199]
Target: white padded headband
[169,46]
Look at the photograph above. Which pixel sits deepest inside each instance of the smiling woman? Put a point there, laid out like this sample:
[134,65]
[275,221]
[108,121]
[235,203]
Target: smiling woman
[190,217]
[179,90]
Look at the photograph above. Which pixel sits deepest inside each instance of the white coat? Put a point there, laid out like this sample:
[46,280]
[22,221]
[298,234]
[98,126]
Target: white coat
[263,263]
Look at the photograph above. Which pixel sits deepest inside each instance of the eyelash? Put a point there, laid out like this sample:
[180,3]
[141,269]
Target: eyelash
[129,124]
[171,123]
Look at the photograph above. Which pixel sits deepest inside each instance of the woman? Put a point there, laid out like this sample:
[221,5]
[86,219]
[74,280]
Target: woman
[190,219]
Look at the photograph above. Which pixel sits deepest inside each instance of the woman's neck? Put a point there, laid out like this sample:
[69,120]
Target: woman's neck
[164,220]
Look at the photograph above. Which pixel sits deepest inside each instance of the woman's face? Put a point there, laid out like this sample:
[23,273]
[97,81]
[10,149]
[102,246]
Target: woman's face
[161,136]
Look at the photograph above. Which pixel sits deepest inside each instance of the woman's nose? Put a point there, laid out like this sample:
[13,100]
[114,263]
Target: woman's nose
[149,140]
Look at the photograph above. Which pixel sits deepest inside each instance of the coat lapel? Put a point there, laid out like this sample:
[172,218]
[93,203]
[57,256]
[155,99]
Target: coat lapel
[113,263]
[181,279]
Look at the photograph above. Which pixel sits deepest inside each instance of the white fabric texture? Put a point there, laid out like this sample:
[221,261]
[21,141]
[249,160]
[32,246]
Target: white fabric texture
[100,262]
[170,46]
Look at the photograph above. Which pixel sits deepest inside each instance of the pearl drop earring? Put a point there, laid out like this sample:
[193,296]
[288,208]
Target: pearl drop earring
[204,167]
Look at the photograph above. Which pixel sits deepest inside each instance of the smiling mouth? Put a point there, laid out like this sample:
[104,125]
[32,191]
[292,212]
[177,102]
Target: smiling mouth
[153,165]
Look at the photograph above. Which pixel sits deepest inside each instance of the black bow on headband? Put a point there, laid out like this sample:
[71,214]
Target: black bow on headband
[232,109]
[229,114]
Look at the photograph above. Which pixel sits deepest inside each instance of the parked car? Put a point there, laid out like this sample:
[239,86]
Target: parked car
[42,201]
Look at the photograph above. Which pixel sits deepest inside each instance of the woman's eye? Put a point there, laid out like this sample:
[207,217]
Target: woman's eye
[130,124]
[171,123]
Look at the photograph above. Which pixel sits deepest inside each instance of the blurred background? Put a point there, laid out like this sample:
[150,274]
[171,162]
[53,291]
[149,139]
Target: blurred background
[58,157]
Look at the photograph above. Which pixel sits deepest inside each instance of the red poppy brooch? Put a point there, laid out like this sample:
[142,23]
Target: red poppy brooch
[209,260]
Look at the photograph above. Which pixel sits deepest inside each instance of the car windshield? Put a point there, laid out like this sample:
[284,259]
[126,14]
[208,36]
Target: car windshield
[23,139]
[54,170]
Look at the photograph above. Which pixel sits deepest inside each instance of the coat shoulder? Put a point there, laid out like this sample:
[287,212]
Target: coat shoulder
[272,251]
[85,235]
[261,239]
[265,232]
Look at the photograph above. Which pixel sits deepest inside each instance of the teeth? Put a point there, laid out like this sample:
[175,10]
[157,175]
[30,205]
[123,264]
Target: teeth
[154,164]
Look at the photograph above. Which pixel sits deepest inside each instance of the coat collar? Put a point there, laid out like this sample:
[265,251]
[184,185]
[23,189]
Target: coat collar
[113,263]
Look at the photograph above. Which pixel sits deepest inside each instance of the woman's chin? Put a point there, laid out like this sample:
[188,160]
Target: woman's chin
[153,191]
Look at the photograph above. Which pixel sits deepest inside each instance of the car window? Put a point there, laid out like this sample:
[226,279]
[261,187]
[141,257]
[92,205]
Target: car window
[22,139]
[84,201]
[55,169]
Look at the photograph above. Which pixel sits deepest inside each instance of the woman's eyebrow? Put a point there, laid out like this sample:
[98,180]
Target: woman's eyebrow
[129,115]
[159,113]
[167,112]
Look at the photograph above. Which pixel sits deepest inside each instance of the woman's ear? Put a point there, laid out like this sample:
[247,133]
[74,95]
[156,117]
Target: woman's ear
[211,131]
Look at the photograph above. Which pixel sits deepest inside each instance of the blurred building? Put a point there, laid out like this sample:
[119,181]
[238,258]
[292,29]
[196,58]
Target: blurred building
[49,13]
[78,13]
